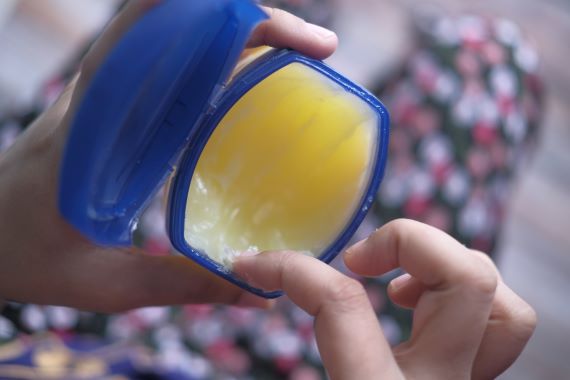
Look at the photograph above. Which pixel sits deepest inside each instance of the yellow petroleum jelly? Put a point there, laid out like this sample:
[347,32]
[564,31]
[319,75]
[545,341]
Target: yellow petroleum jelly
[286,168]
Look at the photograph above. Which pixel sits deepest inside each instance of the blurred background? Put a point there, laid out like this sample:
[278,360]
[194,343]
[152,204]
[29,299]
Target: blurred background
[392,47]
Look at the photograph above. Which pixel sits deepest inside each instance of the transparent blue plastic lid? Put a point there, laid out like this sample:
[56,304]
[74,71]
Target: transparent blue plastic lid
[132,124]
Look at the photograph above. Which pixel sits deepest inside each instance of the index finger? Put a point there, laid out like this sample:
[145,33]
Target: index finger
[348,334]
[426,253]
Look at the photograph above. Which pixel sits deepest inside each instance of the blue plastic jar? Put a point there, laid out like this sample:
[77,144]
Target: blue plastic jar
[151,109]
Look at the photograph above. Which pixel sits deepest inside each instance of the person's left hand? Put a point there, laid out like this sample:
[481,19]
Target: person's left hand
[45,260]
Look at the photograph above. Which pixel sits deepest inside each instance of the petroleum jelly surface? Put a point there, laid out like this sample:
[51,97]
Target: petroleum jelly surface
[286,168]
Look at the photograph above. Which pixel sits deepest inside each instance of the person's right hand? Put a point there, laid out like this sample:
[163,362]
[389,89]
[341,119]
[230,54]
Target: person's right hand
[467,322]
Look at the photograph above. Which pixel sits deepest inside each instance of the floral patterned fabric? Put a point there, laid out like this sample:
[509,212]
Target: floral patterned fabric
[465,109]
[465,112]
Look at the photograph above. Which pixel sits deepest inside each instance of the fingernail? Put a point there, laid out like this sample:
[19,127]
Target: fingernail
[355,247]
[399,282]
[320,31]
[248,253]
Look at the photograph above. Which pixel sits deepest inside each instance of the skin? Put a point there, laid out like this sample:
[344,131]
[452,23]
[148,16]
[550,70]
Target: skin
[467,322]
[44,260]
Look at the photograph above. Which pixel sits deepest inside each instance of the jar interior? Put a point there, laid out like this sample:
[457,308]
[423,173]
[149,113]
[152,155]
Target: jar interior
[285,169]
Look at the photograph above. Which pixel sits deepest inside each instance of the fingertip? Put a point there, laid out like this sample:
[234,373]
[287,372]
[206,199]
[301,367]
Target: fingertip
[399,282]
[327,40]
[321,32]
[369,257]
[285,30]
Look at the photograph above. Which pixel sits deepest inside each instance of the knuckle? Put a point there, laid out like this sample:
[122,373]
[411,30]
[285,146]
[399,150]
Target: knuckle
[283,262]
[482,278]
[349,293]
[485,284]
[396,230]
[486,261]
[523,321]
[284,258]
[527,320]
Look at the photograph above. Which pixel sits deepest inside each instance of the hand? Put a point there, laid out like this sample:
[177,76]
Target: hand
[467,322]
[44,260]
